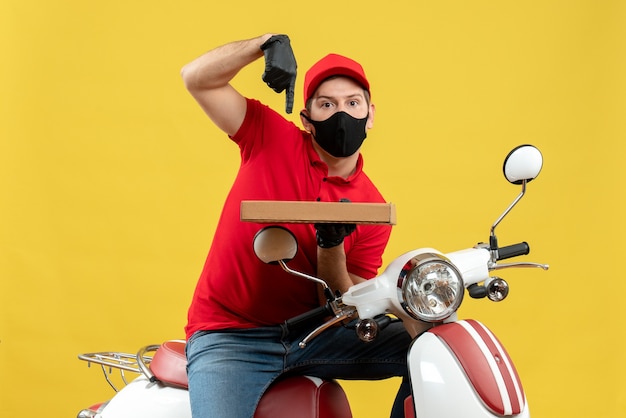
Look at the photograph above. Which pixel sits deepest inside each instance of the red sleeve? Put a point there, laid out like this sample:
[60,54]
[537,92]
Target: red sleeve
[365,256]
[260,127]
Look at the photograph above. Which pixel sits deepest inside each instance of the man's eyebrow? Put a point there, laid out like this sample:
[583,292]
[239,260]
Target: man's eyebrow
[349,96]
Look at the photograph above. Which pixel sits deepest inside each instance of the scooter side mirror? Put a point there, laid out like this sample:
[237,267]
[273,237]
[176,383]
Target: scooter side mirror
[522,164]
[275,243]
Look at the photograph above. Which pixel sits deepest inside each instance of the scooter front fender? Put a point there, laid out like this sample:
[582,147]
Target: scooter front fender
[143,399]
[461,370]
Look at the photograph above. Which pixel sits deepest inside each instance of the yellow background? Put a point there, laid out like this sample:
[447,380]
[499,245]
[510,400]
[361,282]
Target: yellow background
[111,178]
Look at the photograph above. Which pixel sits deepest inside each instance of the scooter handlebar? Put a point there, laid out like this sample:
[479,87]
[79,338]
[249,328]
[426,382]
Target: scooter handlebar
[514,250]
[310,318]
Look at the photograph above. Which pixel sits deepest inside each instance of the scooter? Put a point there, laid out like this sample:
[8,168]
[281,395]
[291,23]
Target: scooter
[456,367]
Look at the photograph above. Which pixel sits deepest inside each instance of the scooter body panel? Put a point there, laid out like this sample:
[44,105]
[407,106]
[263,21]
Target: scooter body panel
[141,398]
[451,375]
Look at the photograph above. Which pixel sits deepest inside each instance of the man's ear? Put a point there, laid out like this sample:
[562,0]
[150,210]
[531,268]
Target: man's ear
[305,123]
[370,117]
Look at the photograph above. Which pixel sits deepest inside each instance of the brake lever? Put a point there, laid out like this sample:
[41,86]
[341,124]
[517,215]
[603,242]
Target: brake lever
[341,316]
[495,266]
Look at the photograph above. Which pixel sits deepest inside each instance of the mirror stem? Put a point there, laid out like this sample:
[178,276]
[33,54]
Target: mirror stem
[306,276]
[493,241]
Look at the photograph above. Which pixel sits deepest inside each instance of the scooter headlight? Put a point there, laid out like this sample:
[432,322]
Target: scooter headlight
[430,287]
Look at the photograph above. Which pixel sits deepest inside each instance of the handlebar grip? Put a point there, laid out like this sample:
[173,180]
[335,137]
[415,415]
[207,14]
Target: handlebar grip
[513,250]
[308,318]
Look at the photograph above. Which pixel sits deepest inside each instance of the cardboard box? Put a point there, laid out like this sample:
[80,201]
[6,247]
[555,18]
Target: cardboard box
[271,211]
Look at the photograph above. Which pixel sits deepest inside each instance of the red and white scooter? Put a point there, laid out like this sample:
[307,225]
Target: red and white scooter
[457,367]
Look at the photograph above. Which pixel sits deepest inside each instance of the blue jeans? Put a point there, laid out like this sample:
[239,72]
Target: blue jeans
[230,370]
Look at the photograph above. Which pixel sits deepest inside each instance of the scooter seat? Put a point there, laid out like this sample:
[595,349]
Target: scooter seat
[169,364]
[312,397]
[304,397]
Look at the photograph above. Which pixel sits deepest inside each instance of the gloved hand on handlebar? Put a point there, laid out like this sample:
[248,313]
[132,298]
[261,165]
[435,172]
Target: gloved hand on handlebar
[280,67]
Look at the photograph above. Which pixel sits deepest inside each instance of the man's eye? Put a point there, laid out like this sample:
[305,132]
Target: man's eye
[354,103]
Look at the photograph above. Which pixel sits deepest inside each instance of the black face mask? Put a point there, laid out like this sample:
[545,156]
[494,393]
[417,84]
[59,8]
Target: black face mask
[341,135]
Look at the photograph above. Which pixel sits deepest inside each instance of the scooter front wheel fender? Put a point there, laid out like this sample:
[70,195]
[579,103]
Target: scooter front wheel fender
[461,369]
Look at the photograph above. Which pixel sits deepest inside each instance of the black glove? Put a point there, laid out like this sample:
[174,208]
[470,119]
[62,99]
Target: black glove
[331,235]
[280,67]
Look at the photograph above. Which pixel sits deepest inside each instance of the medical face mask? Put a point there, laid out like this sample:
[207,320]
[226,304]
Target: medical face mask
[341,135]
